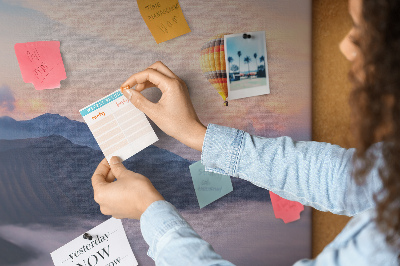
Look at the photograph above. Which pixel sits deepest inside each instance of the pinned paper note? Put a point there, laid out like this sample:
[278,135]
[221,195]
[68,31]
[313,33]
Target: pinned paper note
[108,246]
[164,18]
[41,63]
[118,126]
[288,211]
[209,186]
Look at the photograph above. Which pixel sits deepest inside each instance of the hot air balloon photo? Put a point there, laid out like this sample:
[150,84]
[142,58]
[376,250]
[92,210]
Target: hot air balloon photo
[212,60]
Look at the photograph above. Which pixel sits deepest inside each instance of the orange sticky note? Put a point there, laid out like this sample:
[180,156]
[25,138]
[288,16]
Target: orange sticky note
[288,211]
[41,63]
[164,18]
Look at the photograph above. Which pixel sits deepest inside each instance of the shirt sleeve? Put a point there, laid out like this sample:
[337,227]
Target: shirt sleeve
[360,243]
[172,241]
[313,173]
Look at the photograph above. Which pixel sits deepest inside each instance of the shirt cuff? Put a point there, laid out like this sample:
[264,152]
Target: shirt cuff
[221,150]
[158,219]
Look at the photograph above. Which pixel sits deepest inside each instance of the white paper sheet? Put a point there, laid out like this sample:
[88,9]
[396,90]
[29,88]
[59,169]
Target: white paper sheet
[118,126]
[109,247]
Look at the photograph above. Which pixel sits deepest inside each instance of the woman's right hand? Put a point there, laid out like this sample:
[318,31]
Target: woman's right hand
[173,113]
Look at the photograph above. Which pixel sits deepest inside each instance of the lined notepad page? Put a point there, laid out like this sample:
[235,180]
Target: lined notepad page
[118,126]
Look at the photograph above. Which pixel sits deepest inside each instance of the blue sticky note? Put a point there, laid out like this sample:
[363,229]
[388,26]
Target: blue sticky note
[209,186]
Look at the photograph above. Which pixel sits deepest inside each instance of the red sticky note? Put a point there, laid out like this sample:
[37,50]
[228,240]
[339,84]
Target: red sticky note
[41,63]
[284,209]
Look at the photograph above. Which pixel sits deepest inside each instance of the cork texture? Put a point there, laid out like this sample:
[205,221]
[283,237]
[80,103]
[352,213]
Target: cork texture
[330,103]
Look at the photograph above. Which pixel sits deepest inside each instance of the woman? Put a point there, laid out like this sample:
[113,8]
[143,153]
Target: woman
[320,175]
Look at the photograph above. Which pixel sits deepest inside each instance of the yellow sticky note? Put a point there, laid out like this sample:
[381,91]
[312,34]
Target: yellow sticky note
[164,18]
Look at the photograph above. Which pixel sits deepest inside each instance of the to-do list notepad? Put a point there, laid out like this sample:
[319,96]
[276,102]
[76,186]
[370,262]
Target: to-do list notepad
[118,126]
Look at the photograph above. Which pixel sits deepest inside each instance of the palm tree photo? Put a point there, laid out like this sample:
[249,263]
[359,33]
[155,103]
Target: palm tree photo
[238,52]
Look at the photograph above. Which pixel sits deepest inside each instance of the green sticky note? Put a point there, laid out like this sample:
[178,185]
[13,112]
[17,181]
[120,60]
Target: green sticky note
[209,186]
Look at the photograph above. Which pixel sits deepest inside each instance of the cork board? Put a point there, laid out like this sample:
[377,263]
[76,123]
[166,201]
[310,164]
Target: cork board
[331,89]
[48,154]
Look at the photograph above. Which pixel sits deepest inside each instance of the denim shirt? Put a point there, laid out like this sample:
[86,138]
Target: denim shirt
[312,173]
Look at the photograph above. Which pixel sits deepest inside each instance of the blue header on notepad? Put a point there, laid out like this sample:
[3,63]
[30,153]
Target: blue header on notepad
[100,103]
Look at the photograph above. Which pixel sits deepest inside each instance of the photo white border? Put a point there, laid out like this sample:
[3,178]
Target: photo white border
[248,92]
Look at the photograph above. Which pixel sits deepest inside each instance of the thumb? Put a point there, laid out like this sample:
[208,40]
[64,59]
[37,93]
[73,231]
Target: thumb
[117,167]
[138,100]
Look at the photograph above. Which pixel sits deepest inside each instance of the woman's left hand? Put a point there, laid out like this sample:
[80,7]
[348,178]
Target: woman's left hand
[127,197]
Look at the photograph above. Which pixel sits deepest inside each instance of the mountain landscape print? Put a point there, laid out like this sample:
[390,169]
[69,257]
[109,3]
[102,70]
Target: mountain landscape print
[46,184]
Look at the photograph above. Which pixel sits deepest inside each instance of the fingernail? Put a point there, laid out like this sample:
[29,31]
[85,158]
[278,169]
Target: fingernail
[115,160]
[129,92]
[125,88]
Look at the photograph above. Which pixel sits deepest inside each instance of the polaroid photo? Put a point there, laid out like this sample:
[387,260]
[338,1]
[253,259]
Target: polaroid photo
[246,61]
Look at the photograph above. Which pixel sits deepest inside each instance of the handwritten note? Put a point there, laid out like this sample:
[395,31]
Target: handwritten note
[118,126]
[41,63]
[209,186]
[164,18]
[288,211]
[109,246]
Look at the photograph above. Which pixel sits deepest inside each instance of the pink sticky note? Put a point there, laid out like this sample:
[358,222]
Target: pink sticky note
[284,209]
[41,63]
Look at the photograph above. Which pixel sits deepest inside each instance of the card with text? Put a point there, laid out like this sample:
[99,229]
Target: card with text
[209,186]
[164,18]
[41,63]
[108,246]
[118,126]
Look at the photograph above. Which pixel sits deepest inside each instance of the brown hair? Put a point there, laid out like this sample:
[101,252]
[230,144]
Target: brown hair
[375,101]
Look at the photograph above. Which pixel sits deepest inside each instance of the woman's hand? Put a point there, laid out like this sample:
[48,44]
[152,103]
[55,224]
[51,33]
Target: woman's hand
[127,197]
[173,113]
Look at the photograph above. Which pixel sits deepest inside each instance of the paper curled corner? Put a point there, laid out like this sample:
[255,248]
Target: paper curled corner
[288,211]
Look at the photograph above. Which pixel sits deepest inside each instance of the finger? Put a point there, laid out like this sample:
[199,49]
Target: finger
[142,86]
[110,177]
[139,87]
[104,210]
[160,67]
[157,78]
[140,102]
[100,174]
[117,167]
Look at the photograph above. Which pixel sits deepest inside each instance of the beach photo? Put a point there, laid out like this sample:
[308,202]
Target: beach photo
[246,61]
